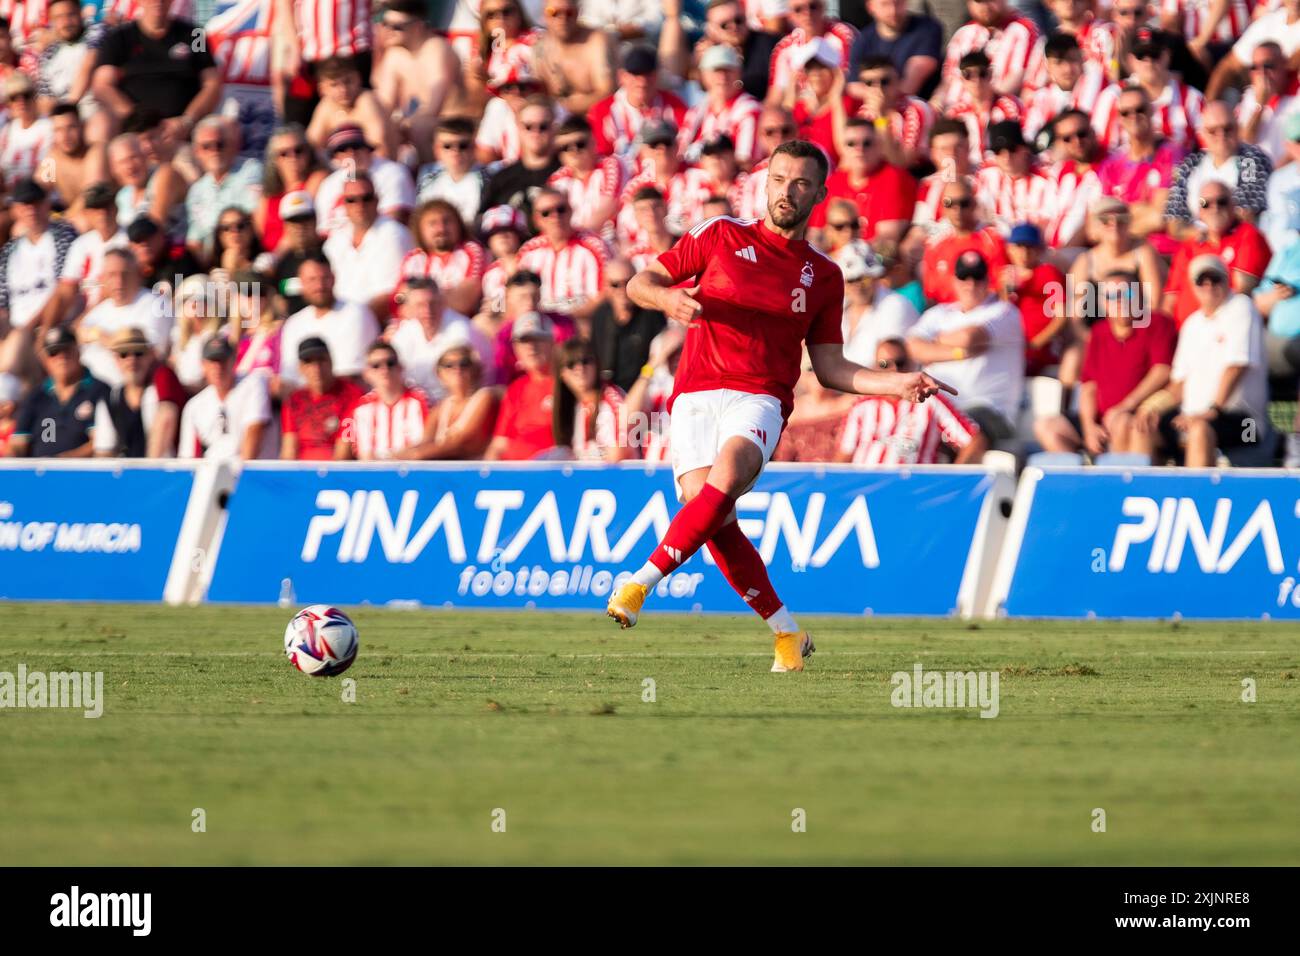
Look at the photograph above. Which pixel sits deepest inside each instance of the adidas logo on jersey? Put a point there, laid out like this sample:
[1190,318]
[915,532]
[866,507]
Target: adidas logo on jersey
[747,253]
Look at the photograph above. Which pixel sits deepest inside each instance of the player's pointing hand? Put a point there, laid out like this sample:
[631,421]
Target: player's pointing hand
[682,306]
[918,386]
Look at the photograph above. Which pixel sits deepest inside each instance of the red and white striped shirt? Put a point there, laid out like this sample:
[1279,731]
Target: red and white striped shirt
[124,11]
[608,430]
[1193,15]
[1014,200]
[1099,42]
[25,18]
[888,431]
[700,186]
[752,203]
[449,269]
[616,123]
[1093,93]
[512,56]
[22,150]
[738,119]
[837,33]
[910,124]
[571,275]
[380,429]
[328,28]
[1175,114]
[978,120]
[586,191]
[1007,47]
[494,287]
[627,230]
[239,38]
[1077,186]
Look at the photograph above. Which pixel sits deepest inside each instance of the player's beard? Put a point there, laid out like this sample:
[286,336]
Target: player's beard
[787,217]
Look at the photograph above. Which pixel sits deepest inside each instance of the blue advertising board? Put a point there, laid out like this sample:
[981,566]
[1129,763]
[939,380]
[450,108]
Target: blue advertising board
[89,531]
[836,539]
[1155,542]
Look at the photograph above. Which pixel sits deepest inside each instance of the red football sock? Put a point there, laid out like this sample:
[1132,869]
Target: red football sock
[695,524]
[740,562]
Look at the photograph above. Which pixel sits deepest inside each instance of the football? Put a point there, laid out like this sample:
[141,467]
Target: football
[321,641]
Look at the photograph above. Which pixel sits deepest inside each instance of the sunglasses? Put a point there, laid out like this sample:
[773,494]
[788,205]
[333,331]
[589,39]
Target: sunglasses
[461,364]
[550,211]
[60,350]
[1149,56]
[350,148]
[787,130]
[363,197]
[1215,203]
[383,363]
[538,127]
[455,145]
[976,73]
[212,145]
[966,203]
[577,145]
[847,224]
[880,82]
[580,362]
[299,150]
[1132,14]
[132,353]
[1209,278]
[859,143]
[1074,137]
[398,25]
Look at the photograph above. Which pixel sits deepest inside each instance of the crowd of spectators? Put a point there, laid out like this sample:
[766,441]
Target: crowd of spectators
[326,229]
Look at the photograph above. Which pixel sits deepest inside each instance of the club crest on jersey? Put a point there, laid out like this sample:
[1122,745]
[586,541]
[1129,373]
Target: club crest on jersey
[806,276]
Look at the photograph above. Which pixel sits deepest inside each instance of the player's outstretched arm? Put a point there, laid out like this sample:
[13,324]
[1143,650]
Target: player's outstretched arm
[835,371]
[652,288]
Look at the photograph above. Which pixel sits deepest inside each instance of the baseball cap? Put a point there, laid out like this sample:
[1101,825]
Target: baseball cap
[817,50]
[532,325]
[971,265]
[218,349]
[1025,234]
[128,338]
[722,143]
[18,84]
[1005,135]
[857,260]
[297,205]
[640,60]
[1104,205]
[500,218]
[312,347]
[10,387]
[59,337]
[142,230]
[1205,264]
[720,57]
[346,136]
[657,132]
[99,196]
[1150,41]
[30,191]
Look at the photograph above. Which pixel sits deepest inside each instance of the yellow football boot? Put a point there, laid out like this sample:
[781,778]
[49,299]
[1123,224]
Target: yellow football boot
[625,603]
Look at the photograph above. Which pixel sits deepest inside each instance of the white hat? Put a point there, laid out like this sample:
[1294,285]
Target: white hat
[857,260]
[818,49]
[720,57]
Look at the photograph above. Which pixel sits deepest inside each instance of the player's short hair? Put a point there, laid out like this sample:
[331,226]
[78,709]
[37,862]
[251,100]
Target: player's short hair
[947,127]
[802,149]
[876,62]
[336,67]
[573,124]
[974,58]
[648,193]
[1060,45]
[455,126]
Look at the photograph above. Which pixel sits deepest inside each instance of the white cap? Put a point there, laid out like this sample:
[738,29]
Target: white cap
[857,260]
[818,49]
[720,57]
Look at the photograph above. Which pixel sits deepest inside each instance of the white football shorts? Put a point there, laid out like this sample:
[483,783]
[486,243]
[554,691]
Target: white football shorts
[702,422]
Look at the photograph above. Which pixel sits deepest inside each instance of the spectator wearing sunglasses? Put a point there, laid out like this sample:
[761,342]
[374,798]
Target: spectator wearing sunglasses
[67,398]
[140,417]
[351,154]
[502,50]
[1077,184]
[235,246]
[903,121]
[424,329]
[516,183]
[982,106]
[1219,379]
[1014,187]
[725,110]
[616,121]
[1224,234]
[447,255]
[461,424]
[227,181]
[588,416]
[662,169]
[884,194]
[621,330]
[725,25]
[366,254]
[27,136]
[291,166]
[454,175]
[575,61]
[1267,100]
[965,234]
[1279,26]
[873,311]
[593,184]
[911,42]
[1245,169]
[571,262]
[389,418]
[1176,105]
[1141,171]
[810,23]
[1005,37]
[418,78]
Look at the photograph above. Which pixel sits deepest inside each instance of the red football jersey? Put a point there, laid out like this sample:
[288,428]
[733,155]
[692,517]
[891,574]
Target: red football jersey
[763,296]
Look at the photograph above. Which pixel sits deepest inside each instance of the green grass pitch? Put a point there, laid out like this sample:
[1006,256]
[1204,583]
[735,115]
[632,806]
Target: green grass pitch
[541,715]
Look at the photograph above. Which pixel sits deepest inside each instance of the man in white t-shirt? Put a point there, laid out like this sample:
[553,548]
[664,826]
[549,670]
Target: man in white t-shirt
[1281,26]
[366,252]
[350,154]
[79,284]
[425,329]
[1217,397]
[126,304]
[977,345]
[873,312]
[348,329]
[231,417]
